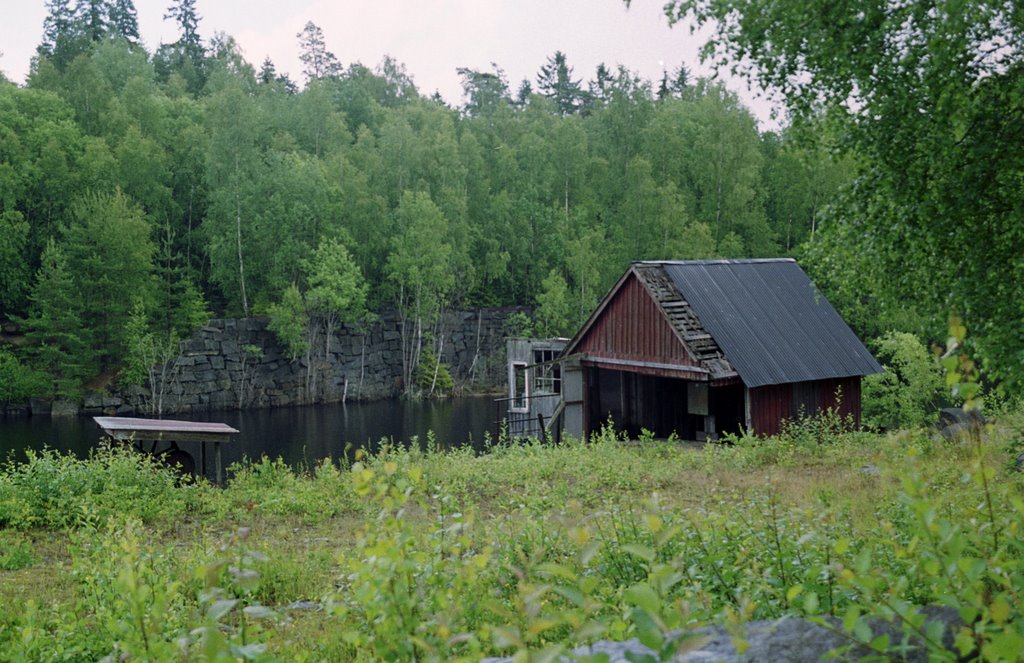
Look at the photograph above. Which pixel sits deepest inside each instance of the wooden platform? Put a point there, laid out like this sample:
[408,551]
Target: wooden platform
[131,429]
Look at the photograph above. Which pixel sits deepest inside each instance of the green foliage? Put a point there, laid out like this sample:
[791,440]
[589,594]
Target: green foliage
[582,541]
[251,182]
[53,490]
[15,551]
[933,207]
[553,307]
[109,249]
[55,325]
[19,382]
[336,286]
[14,271]
[407,594]
[289,322]
[140,346]
[906,394]
[432,374]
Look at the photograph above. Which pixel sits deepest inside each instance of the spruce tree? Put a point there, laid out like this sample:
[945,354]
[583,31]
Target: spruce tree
[555,81]
[123,20]
[54,326]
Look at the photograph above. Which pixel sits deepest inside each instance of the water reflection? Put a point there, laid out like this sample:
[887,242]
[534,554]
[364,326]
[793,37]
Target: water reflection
[299,435]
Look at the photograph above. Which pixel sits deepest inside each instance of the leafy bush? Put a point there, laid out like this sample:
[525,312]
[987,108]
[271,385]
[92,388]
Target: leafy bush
[432,375]
[19,382]
[289,322]
[906,394]
[55,490]
[407,592]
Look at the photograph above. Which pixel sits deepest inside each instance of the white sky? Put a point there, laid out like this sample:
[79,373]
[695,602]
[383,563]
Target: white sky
[431,37]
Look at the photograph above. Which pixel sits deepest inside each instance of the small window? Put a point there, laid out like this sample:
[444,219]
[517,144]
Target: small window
[519,387]
[547,375]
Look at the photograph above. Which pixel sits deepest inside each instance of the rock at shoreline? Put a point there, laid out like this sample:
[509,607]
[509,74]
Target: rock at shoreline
[785,640]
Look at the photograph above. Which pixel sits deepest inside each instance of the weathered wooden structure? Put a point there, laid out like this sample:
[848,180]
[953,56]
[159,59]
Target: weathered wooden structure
[533,404]
[170,432]
[700,348]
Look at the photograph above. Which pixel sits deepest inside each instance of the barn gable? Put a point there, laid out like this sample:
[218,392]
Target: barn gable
[631,330]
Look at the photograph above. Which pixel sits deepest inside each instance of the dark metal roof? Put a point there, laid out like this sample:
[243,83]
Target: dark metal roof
[770,321]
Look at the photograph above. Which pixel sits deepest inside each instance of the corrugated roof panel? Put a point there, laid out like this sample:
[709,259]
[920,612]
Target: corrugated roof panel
[770,321]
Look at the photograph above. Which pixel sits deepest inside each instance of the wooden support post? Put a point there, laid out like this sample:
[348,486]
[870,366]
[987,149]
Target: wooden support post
[540,422]
[748,420]
[217,463]
[202,459]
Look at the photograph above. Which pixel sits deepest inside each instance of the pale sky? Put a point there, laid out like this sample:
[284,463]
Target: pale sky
[431,37]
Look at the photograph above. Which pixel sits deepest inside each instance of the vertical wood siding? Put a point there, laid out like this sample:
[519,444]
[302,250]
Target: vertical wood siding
[773,404]
[632,327]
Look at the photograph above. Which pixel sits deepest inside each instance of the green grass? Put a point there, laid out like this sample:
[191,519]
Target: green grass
[531,547]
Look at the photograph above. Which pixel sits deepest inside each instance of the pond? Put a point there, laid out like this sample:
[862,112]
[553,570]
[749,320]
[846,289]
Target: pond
[300,435]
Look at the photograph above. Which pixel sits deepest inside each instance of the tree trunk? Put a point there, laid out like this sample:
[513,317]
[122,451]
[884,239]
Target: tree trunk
[241,263]
[437,365]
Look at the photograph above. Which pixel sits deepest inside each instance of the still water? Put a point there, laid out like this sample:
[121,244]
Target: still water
[299,435]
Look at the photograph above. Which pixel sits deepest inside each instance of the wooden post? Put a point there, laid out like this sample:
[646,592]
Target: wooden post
[217,463]
[748,419]
[540,422]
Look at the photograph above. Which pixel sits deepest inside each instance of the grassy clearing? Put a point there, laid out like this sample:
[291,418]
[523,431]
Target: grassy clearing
[529,548]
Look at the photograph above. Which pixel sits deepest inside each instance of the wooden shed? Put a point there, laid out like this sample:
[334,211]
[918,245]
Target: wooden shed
[701,348]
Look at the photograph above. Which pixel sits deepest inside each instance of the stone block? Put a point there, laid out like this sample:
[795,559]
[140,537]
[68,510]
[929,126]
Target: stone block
[217,362]
[92,400]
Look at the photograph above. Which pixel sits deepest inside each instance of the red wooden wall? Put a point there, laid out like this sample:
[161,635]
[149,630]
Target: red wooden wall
[772,404]
[632,327]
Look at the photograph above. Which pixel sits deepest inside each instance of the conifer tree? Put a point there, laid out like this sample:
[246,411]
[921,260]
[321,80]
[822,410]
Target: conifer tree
[317,61]
[62,37]
[123,20]
[92,15]
[555,81]
[54,325]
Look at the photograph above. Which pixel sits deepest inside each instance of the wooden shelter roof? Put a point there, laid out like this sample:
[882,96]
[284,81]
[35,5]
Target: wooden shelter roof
[123,428]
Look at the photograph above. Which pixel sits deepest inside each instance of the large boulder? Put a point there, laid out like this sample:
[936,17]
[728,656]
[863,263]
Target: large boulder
[785,640]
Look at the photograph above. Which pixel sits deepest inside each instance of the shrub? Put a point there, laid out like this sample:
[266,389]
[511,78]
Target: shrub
[906,394]
[58,490]
[18,382]
[432,375]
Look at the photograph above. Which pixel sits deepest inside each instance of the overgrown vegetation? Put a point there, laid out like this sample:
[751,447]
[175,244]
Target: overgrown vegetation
[531,547]
[160,187]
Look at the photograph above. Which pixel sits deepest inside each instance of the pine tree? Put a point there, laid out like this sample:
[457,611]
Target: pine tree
[62,37]
[600,87]
[317,61]
[523,93]
[123,20]
[92,15]
[268,72]
[187,57]
[184,13]
[54,326]
[555,82]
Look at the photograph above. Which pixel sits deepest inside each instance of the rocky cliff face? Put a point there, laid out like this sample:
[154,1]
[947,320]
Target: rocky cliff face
[239,364]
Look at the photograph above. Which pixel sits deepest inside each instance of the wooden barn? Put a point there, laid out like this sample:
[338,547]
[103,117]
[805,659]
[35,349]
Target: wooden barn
[701,348]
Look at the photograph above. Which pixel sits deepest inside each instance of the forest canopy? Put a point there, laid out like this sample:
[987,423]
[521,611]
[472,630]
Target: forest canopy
[158,188]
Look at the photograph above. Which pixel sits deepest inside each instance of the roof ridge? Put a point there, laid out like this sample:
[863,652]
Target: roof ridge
[715,261]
